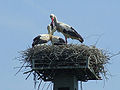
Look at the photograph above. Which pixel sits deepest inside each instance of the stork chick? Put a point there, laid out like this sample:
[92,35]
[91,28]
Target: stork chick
[44,38]
[41,39]
[55,40]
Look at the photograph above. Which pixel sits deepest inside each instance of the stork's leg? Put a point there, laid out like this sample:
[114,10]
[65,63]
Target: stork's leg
[66,40]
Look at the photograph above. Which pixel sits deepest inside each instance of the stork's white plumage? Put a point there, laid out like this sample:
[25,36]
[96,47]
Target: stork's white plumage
[44,38]
[65,29]
[41,39]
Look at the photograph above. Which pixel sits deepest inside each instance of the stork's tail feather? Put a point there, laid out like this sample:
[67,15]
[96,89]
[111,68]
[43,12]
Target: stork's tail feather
[33,44]
[81,40]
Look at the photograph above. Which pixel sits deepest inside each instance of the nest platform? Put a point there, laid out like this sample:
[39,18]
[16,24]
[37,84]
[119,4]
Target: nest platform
[84,62]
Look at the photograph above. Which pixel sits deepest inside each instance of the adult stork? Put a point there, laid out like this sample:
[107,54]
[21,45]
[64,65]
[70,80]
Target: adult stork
[65,29]
[44,38]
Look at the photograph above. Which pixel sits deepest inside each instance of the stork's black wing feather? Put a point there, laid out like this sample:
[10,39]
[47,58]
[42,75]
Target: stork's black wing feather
[72,32]
[75,33]
[78,35]
[36,38]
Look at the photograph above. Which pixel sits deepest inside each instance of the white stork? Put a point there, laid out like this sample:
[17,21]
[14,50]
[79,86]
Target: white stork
[44,38]
[65,29]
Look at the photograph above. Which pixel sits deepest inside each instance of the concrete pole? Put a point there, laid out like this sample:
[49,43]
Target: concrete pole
[65,81]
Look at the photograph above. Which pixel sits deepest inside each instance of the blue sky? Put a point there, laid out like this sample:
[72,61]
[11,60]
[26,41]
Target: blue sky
[22,20]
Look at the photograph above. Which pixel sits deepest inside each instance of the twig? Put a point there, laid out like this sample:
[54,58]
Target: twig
[48,85]
[20,68]
[39,84]
[27,72]
[35,82]
[43,86]
[114,54]
[81,85]
[99,36]
[28,75]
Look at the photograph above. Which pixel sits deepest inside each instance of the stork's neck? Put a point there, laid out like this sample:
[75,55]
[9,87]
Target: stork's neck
[55,20]
[50,36]
[48,31]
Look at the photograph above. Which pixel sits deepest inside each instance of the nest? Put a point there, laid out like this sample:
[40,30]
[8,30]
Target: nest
[65,55]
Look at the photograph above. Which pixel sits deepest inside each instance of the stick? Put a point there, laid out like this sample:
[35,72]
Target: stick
[81,85]
[48,85]
[39,84]
[28,75]
[20,68]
